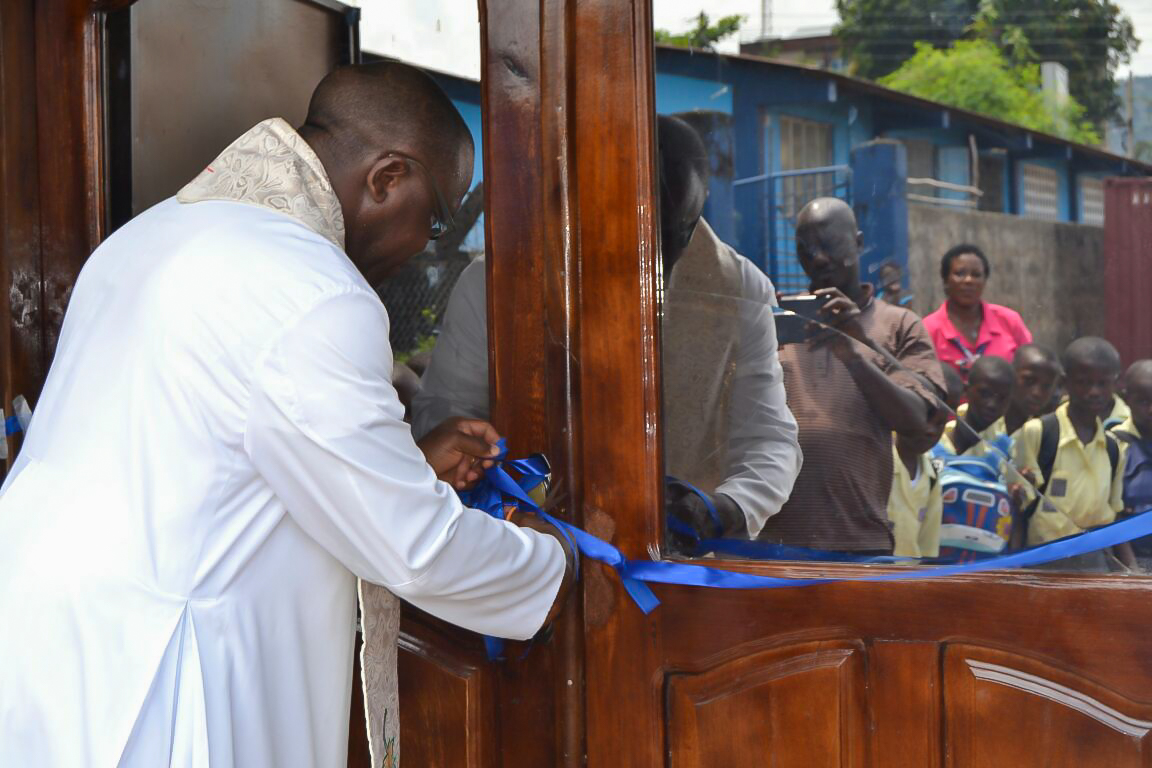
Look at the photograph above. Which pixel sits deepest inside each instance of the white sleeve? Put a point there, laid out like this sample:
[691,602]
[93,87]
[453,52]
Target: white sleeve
[325,431]
[764,455]
[456,381]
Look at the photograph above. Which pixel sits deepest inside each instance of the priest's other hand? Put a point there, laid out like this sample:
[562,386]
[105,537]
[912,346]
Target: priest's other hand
[529,520]
[459,450]
[687,509]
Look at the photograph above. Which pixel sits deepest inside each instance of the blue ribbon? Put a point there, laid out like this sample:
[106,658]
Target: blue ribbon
[497,489]
[766,550]
[686,530]
[761,550]
[12,426]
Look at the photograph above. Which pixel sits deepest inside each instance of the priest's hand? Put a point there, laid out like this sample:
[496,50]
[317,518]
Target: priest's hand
[459,450]
[690,521]
[529,520]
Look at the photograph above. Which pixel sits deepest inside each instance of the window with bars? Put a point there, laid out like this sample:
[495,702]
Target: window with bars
[1039,192]
[804,144]
[1092,201]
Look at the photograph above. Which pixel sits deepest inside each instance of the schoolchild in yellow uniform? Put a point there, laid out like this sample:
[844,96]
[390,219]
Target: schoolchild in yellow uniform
[1078,466]
[1119,413]
[1039,384]
[914,505]
[1138,397]
[989,390]
[1136,434]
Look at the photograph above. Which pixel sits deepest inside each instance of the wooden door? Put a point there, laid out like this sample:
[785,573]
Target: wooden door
[21,278]
[1005,669]
[1013,669]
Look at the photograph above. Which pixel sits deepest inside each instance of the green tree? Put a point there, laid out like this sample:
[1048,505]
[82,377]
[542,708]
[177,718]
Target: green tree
[1089,37]
[880,35]
[975,75]
[704,34]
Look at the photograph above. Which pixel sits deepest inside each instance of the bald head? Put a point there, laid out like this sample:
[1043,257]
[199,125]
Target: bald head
[1091,368]
[1138,395]
[1091,352]
[385,106]
[399,157]
[682,152]
[828,245]
[683,184]
[991,368]
[1141,370]
[1035,355]
[1038,375]
[830,211]
[990,383]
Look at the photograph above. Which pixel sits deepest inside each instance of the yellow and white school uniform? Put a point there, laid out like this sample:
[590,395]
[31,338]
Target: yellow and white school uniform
[1083,491]
[1128,428]
[1119,414]
[915,508]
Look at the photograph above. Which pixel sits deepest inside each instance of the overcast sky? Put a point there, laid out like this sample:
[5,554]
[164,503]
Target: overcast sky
[444,34]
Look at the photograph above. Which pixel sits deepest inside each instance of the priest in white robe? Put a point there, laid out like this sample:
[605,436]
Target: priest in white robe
[218,454]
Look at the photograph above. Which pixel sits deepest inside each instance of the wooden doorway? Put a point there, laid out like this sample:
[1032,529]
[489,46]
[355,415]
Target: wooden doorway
[1018,669]
[1021,669]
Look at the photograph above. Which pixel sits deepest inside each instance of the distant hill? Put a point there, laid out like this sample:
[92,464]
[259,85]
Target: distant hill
[1142,114]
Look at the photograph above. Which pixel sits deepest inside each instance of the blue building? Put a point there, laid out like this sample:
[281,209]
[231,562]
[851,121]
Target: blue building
[781,134]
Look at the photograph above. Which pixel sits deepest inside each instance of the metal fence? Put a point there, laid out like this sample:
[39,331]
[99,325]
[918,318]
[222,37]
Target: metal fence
[783,194]
[416,296]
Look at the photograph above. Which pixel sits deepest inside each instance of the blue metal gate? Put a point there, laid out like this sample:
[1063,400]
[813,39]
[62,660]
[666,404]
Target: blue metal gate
[783,194]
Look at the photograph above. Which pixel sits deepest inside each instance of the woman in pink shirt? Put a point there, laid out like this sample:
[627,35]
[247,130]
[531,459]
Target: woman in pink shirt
[966,327]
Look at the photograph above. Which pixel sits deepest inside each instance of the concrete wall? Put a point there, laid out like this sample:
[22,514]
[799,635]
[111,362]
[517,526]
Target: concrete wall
[1052,273]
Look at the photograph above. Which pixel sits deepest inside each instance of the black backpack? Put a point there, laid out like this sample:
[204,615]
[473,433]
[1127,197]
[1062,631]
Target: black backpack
[1050,444]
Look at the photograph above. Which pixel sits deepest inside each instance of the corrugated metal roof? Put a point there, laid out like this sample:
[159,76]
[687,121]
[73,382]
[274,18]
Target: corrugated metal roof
[858,85]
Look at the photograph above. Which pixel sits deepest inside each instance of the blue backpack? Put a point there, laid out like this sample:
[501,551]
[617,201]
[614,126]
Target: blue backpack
[977,516]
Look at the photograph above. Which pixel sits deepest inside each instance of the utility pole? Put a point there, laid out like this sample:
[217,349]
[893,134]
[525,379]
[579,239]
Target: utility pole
[765,19]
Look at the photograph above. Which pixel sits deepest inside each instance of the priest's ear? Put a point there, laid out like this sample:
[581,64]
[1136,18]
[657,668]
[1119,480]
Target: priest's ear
[384,174]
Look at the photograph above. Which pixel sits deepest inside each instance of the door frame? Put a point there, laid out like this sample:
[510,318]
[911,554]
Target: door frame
[573,270]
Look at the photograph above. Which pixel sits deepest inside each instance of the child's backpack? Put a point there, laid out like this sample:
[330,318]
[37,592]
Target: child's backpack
[1050,444]
[977,516]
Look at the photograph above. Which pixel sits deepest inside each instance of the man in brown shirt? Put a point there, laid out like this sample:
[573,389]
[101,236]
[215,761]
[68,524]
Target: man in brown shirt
[847,397]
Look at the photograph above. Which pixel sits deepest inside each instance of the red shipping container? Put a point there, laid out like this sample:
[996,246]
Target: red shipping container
[1128,266]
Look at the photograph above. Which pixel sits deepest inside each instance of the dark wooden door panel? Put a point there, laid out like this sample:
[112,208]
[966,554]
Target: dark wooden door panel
[447,698]
[1004,708]
[21,329]
[904,699]
[799,705]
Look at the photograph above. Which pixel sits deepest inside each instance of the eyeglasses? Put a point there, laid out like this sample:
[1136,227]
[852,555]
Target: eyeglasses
[442,220]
